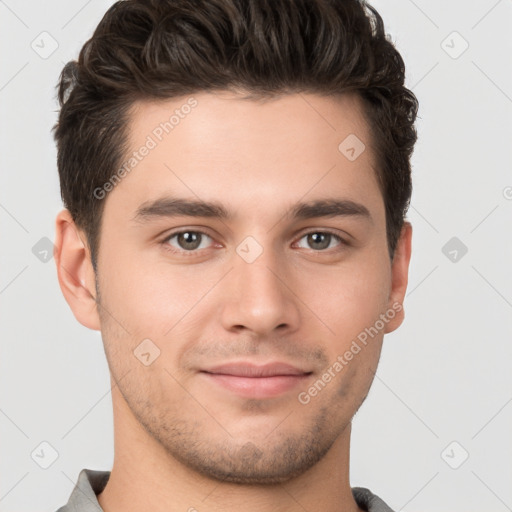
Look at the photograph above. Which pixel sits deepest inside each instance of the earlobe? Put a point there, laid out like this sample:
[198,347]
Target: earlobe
[399,278]
[75,271]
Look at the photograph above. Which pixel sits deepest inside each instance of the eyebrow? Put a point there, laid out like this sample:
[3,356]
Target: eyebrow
[168,207]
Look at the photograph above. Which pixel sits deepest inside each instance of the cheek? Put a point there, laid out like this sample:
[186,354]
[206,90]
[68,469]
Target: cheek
[348,298]
[150,297]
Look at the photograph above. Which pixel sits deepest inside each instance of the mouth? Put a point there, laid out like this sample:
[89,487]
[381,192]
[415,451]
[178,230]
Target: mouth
[257,382]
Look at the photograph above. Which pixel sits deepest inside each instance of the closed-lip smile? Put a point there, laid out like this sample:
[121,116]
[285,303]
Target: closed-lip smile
[256,381]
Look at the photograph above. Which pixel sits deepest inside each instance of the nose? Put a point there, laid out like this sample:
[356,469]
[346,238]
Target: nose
[259,296]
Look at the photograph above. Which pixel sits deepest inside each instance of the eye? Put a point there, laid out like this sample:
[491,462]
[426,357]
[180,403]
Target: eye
[321,240]
[187,241]
[190,241]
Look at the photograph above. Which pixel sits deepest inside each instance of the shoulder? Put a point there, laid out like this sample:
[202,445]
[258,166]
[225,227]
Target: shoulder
[83,497]
[369,501]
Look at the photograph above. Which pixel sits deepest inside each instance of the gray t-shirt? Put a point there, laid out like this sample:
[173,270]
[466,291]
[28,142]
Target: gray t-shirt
[91,483]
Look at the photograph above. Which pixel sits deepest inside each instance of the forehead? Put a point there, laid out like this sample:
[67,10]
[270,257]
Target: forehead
[248,153]
[228,121]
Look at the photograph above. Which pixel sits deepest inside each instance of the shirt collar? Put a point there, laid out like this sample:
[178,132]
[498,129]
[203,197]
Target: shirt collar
[91,483]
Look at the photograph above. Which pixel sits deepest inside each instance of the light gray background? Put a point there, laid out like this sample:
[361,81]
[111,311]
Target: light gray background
[444,376]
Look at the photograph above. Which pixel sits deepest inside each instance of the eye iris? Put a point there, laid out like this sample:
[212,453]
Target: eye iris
[191,240]
[315,237]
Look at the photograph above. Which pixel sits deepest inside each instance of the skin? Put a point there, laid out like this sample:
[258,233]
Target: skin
[181,441]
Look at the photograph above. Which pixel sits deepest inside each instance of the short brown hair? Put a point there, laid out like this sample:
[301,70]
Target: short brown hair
[160,49]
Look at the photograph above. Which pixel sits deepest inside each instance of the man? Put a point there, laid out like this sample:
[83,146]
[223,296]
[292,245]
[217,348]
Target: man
[236,177]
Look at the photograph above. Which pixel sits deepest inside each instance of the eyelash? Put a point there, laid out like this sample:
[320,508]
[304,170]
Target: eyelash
[195,252]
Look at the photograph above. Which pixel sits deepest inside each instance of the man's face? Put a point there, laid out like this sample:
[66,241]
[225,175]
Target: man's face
[259,288]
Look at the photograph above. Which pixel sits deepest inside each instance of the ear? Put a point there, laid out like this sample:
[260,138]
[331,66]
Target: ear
[399,277]
[75,271]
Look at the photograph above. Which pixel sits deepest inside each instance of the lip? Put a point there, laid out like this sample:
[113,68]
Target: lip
[246,369]
[256,381]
